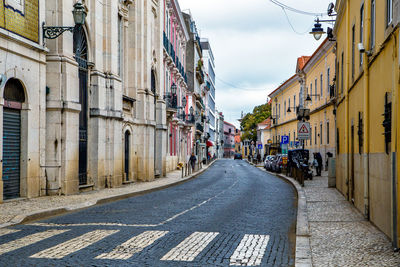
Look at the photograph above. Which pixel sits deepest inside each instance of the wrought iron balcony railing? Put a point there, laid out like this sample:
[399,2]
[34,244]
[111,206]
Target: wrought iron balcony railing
[171,101]
[199,127]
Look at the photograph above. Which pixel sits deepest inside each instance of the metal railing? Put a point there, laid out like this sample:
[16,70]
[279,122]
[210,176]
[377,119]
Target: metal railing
[199,127]
[171,101]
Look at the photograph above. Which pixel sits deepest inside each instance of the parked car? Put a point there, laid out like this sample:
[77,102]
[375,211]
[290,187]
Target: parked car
[268,162]
[278,165]
[237,156]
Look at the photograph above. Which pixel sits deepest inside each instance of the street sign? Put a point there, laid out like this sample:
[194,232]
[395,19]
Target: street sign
[303,131]
[285,140]
[260,146]
[284,148]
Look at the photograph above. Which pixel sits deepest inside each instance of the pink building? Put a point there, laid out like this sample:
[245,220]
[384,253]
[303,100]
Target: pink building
[229,139]
[175,38]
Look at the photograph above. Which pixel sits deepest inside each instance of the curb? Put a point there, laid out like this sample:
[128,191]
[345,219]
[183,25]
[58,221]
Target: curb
[20,219]
[303,256]
[303,245]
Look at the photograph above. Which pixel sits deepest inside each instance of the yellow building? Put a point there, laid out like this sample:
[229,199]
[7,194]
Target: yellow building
[367,85]
[313,78]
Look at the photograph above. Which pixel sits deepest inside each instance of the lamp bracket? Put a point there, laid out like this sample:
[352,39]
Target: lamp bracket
[52,32]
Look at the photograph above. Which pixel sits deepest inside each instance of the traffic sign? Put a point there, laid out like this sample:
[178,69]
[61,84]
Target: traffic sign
[260,146]
[303,131]
[285,140]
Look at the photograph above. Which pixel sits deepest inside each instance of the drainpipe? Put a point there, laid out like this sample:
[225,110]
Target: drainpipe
[366,114]
[395,84]
[396,141]
[346,101]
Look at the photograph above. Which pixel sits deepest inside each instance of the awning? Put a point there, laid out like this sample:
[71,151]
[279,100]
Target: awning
[209,143]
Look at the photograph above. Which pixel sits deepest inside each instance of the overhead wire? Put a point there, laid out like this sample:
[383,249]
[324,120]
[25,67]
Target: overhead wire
[276,2]
[237,87]
[298,11]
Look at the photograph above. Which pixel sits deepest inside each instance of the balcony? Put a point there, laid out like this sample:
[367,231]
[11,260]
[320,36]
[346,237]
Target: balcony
[199,127]
[169,48]
[200,103]
[190,119]
[172,102]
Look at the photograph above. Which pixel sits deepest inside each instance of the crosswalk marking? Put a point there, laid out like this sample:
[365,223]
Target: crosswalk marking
[250,251]
[189,248]
[28,240]
[7,231]
[133,245]
[74,245]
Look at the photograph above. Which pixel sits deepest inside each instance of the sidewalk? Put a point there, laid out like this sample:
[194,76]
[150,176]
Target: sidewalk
[22,210]
[338,233]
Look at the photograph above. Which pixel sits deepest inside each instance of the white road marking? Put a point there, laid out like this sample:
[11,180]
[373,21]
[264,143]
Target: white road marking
[138,225]
[74,245]
[189,248]
[133,245]
[28,240]
[250,251]
[7,231]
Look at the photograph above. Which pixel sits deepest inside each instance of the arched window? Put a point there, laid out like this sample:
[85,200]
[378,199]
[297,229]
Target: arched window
[153,82]
[14,91]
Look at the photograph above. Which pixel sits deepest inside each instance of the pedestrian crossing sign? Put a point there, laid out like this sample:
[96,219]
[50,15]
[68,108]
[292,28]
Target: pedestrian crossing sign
[303,131]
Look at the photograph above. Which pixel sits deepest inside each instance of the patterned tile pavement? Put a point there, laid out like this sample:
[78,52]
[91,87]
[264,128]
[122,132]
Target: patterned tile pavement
[340,236]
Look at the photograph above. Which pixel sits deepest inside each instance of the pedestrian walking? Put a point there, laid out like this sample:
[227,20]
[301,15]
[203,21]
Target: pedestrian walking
[258,158]
[317,164]
[192,161]
[319,160]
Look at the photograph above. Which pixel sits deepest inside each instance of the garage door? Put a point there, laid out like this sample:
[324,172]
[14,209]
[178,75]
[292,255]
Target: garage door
[11,152]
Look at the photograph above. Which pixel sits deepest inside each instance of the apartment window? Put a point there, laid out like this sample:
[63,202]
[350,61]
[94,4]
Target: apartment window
[316,89]
[289,103]
[353,47]
[310,91]
[373,23]
[341,74]
[322,85]
[315,135]
[320,134]
[284,108]
[327,133]
[279,111]
[361,31]
[328,79]
[389,11]
[120,46]
[294,101]
[294,136]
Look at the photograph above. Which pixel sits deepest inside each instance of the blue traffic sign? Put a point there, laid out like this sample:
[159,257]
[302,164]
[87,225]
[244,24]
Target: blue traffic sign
[285,140]
[260,146]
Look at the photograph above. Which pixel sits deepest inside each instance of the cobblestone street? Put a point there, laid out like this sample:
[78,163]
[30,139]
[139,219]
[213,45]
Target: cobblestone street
[231,215]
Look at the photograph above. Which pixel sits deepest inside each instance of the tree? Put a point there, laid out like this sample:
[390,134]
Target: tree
[250,121]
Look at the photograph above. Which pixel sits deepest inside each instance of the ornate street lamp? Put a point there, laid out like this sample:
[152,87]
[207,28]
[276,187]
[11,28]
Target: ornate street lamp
[317,31]
[79,13]
[184,102]
[173,89]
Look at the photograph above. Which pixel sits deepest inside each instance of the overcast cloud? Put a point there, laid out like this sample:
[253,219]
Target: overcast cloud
[254,46]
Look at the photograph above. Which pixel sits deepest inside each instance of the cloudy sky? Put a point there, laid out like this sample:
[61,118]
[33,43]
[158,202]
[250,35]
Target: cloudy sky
[254,45]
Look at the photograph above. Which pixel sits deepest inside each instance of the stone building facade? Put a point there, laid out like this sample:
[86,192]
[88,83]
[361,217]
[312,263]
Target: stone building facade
[22,100]
[94,107]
